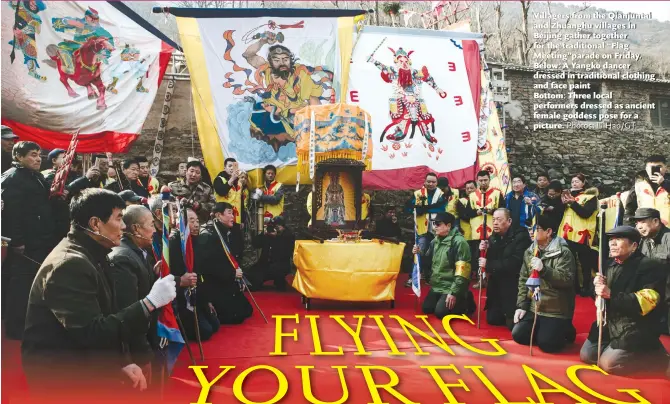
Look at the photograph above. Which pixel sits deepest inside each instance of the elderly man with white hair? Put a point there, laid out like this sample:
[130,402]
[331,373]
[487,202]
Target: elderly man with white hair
[133,276]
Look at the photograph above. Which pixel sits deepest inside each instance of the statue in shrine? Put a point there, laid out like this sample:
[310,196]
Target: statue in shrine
[334,203]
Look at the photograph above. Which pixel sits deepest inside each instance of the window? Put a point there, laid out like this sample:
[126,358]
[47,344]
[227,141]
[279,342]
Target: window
[660,116]
[588,106]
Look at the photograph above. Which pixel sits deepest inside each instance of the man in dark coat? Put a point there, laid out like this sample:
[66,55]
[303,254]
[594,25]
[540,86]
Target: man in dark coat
[655,244]
[133,277]
[75,337]
[277,243]
[221,281]
[127,179]
[208,322]
[388,225]
[27,219]
[504,257]
[633,287]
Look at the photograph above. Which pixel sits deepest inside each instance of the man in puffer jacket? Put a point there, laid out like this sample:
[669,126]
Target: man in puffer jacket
[553,260]
[450,258]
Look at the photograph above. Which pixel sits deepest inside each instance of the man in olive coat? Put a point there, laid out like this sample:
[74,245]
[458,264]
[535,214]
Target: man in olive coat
[75,337]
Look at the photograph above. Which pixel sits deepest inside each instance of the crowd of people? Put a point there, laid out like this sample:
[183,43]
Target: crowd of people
[551,232]
[83,269]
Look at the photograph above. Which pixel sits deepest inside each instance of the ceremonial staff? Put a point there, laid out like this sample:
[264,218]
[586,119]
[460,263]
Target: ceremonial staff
[482,268]
[416,269]
[601,314]
[233,262]
[533,283]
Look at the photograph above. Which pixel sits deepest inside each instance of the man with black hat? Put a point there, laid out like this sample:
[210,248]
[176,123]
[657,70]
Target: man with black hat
[277,243]
[450,277]
[56,158]
[655,244]
[633,288]
[130,197]
[8,140]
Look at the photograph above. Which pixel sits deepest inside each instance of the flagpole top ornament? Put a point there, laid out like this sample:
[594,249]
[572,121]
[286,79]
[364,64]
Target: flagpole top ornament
[165,193]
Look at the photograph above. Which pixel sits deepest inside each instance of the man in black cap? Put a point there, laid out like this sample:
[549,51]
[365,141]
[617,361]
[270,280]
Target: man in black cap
[8,140]
[655,244]
[450,276]
[56,158]
[277,243]
[633,288]
[130,197]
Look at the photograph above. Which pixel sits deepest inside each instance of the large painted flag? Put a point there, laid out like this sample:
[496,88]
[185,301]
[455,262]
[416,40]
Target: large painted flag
[422,89]
[79,65]
[252,70]
[168,328]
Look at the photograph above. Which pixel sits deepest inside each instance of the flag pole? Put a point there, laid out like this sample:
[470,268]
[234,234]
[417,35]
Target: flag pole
[601,314]
[416,270]
[482,269]
[183,334]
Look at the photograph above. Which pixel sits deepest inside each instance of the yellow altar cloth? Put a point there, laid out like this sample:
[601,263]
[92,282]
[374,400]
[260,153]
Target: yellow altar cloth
[361,272]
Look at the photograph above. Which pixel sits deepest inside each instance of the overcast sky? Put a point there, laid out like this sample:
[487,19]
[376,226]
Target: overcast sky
[660,9]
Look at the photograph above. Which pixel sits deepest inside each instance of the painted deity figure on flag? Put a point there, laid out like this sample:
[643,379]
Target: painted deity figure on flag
[27,24]
[334,206]
[130,63]
[287,87]
[407,107]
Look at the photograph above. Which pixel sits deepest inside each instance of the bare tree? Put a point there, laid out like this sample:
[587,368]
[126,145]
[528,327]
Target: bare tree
[498,10]
[525,46]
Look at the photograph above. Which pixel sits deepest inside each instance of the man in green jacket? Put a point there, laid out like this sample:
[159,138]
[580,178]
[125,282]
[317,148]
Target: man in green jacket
[553,260]
[450,270]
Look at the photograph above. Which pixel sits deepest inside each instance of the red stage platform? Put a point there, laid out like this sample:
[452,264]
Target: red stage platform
[251,344]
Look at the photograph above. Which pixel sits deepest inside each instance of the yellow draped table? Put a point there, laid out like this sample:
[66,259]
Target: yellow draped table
[361,272]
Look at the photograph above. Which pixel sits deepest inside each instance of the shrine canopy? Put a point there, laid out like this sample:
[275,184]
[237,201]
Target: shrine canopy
[93,67]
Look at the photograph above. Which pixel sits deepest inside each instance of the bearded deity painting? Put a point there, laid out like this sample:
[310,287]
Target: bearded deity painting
[407,107]
[276,87]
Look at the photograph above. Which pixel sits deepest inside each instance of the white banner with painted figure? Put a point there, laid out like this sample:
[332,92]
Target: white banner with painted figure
[87,66]
[419,87]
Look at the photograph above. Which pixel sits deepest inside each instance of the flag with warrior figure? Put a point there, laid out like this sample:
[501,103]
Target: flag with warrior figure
[168,328]
[89,65]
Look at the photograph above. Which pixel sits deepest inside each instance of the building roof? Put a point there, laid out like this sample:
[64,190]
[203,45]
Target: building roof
[509,66]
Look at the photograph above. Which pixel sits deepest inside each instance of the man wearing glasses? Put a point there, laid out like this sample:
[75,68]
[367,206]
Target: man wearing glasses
[450,277]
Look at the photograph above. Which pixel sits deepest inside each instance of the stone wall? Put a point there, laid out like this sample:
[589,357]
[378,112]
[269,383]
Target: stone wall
[608,157]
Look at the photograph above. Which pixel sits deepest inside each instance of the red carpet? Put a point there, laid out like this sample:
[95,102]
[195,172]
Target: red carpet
[251,344]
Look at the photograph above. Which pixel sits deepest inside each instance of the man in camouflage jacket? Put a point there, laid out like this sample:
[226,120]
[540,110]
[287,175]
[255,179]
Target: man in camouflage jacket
[556,266]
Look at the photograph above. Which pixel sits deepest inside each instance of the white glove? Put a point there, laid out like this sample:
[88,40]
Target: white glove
[536,264]
[518,315]
[259,192]
[163,292]
[482,262]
